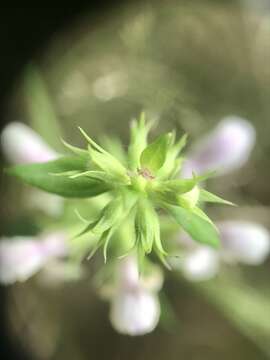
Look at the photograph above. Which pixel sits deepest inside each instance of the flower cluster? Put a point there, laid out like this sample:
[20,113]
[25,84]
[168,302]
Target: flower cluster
[131,200]
[146,181]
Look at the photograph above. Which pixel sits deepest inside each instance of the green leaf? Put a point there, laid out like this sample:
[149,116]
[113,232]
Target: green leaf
[196,210]
[154,155]
[41,175]
[198,228]
[206,196]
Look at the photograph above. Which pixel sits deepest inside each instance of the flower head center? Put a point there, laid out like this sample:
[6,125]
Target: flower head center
[146,173]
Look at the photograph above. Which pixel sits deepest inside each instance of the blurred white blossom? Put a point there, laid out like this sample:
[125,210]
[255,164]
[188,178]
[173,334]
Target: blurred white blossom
[21,256]
[198,263]
[241,242]
[225,149]
[244,242]
[135,307]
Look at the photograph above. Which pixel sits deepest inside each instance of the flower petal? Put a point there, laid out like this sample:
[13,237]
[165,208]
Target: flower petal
[245,242]
[21,144]
[226,148]
[135,312]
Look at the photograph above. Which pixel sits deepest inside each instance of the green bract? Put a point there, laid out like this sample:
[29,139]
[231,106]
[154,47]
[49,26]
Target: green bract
[143,187]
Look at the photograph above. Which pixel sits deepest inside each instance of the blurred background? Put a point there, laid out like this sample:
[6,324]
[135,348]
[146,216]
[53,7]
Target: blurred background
[187,64]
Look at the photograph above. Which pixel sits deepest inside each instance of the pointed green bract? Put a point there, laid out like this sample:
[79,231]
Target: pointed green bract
[197,211]
[206,196]
[75,150]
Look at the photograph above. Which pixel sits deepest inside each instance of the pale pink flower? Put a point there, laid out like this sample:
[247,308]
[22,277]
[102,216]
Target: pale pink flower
[21,256]
[225,149]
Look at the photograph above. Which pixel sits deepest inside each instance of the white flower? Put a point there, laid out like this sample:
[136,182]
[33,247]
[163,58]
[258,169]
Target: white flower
[135,312]
[202,263]
[21,144]
[21,256]
[241,242]
[135,308]
[225,149]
